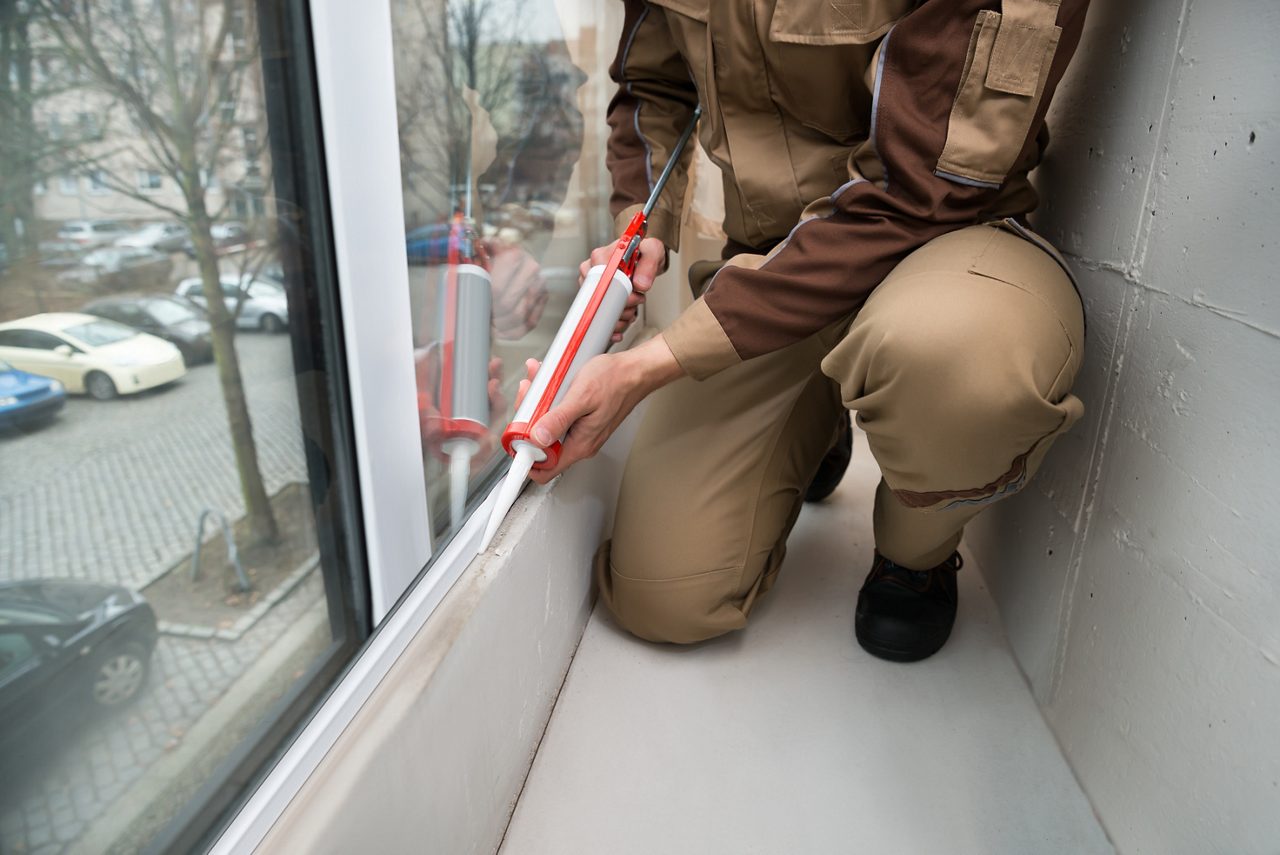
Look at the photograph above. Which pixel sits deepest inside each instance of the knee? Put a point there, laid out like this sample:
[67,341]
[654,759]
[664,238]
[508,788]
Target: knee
[651,603]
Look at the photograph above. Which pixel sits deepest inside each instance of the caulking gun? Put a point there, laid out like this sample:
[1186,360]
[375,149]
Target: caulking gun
[585,333]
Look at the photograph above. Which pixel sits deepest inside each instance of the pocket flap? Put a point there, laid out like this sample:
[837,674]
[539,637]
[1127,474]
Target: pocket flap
[834,22]
[1018,55]
[696,9]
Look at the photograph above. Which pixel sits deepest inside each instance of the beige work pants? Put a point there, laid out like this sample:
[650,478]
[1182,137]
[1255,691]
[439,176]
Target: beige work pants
[958,367]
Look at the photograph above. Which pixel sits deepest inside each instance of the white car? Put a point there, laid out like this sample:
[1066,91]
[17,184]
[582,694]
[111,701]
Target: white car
[262,302]
[90,355]
[161,237]
[87,234]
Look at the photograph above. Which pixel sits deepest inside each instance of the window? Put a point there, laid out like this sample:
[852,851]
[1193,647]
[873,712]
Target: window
[39,187]
[213,657]
[208,179]
[511,214]
[149,181]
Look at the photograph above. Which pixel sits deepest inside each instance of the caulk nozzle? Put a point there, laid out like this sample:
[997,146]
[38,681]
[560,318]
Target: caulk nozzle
[508,492]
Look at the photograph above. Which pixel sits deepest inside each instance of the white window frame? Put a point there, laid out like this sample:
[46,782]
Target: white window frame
[69,184]
[98,186]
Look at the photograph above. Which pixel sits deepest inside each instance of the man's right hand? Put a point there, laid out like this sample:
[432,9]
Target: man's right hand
[653,260]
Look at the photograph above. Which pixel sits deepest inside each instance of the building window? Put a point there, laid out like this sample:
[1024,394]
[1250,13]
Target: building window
[39,186]
[164,657]
[150,181]
[209,179]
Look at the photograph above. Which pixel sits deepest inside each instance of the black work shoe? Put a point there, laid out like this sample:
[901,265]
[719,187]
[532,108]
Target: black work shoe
[833,466]
[906,615]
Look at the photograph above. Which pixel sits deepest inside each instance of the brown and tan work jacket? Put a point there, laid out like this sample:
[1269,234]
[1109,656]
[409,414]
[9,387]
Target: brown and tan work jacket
[848,134]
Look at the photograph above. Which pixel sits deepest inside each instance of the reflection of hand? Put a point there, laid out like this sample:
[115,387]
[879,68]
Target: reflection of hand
[603,393]
[519,291]
[653,260]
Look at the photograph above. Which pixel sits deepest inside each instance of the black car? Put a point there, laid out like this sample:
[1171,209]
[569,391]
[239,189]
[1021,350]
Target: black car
[67,645]
[161,315]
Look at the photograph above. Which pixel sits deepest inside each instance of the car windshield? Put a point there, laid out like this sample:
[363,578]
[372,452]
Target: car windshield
[27,613]
[169,312]
[100,333]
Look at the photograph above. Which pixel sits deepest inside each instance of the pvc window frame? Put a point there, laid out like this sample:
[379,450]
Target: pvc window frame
[355,80]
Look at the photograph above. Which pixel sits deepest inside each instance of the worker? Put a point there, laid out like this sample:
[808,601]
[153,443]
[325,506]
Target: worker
[875,158]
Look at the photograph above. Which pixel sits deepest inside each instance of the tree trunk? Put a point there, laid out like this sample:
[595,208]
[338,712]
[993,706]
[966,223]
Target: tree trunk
[262,522]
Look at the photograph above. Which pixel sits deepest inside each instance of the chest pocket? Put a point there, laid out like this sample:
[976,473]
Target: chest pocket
[1009,57]
[818,52]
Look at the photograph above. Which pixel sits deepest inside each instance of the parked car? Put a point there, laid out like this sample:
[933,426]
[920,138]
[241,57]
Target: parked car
[224,235]
[27,399]
[90,355]
[121,266]
[60,253]
[90,233]
[262,302]
[66,645]
[163,315]
[161,237]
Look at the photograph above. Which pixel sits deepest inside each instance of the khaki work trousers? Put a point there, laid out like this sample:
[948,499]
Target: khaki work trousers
[959,368]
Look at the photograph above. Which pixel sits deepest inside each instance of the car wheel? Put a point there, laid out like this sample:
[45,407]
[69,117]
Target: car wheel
[119,674]
[100,386]
[271,324]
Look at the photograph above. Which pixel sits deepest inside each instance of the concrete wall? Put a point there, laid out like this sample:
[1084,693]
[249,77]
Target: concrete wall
[1138,576]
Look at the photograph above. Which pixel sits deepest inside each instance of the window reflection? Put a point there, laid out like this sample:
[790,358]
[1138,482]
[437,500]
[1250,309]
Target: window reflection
[165,585]
[490,134]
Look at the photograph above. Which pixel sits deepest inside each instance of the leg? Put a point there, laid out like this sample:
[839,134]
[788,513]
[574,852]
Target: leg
[959,367]
[713,485]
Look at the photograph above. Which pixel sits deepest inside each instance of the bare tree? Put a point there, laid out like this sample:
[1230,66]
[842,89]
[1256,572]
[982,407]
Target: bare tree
[179,80]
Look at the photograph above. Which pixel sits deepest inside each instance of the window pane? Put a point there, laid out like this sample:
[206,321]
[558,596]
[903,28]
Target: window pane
[179,558]
[497,215]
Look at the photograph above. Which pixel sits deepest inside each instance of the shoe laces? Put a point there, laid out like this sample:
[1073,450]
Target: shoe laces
[920,581]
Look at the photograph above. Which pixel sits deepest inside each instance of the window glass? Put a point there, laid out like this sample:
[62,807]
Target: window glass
[100,333]
[181,517]
[501,205]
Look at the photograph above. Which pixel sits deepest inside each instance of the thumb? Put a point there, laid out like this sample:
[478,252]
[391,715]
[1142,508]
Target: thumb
[555,424]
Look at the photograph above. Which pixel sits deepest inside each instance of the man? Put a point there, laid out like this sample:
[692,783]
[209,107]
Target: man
[875,158]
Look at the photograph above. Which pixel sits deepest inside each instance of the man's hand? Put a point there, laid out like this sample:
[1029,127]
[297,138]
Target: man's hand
[604,393]
[519,291]
[653,260]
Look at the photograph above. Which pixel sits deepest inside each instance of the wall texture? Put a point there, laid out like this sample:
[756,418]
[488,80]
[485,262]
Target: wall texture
[1138,576]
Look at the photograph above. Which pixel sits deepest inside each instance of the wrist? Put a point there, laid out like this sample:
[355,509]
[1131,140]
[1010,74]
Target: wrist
[653,364]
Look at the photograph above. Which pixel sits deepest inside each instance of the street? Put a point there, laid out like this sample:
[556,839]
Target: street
[111,491]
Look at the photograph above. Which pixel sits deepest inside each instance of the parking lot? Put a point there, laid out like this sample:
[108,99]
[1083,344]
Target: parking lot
[110,491]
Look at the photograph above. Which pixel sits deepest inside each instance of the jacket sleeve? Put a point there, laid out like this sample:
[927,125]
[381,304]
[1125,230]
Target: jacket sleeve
[655,101]
[960,99]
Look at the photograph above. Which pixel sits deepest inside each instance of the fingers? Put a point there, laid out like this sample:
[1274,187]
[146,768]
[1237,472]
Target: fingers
[653,259]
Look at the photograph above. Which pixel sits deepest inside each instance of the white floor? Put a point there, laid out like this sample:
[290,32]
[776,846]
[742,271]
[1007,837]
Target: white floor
[787,738]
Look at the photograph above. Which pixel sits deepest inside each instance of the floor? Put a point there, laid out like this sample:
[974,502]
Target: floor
[787,738]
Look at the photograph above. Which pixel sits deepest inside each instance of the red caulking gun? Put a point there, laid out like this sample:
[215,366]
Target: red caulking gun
[585,333]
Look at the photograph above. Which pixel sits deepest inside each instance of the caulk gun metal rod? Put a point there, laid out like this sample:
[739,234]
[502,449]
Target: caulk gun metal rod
[671,163]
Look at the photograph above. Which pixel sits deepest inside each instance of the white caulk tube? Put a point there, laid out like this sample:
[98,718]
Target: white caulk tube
[465,318]
[566,346]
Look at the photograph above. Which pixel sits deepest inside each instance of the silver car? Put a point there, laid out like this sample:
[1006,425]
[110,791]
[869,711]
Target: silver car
[261,303]
[88,234]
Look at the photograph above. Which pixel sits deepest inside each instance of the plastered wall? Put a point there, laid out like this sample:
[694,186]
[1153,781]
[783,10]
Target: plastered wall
[1138,576]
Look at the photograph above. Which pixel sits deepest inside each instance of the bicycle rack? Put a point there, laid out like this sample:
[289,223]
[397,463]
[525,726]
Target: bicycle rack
[242,581]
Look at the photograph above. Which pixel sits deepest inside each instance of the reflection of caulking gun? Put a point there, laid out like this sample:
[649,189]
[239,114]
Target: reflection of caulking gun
[584,333]
[463,311]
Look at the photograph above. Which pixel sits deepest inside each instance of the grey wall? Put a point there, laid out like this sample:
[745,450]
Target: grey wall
[1138,576]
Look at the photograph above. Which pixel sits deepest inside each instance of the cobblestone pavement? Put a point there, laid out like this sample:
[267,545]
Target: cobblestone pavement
[46,806]
[111,491]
